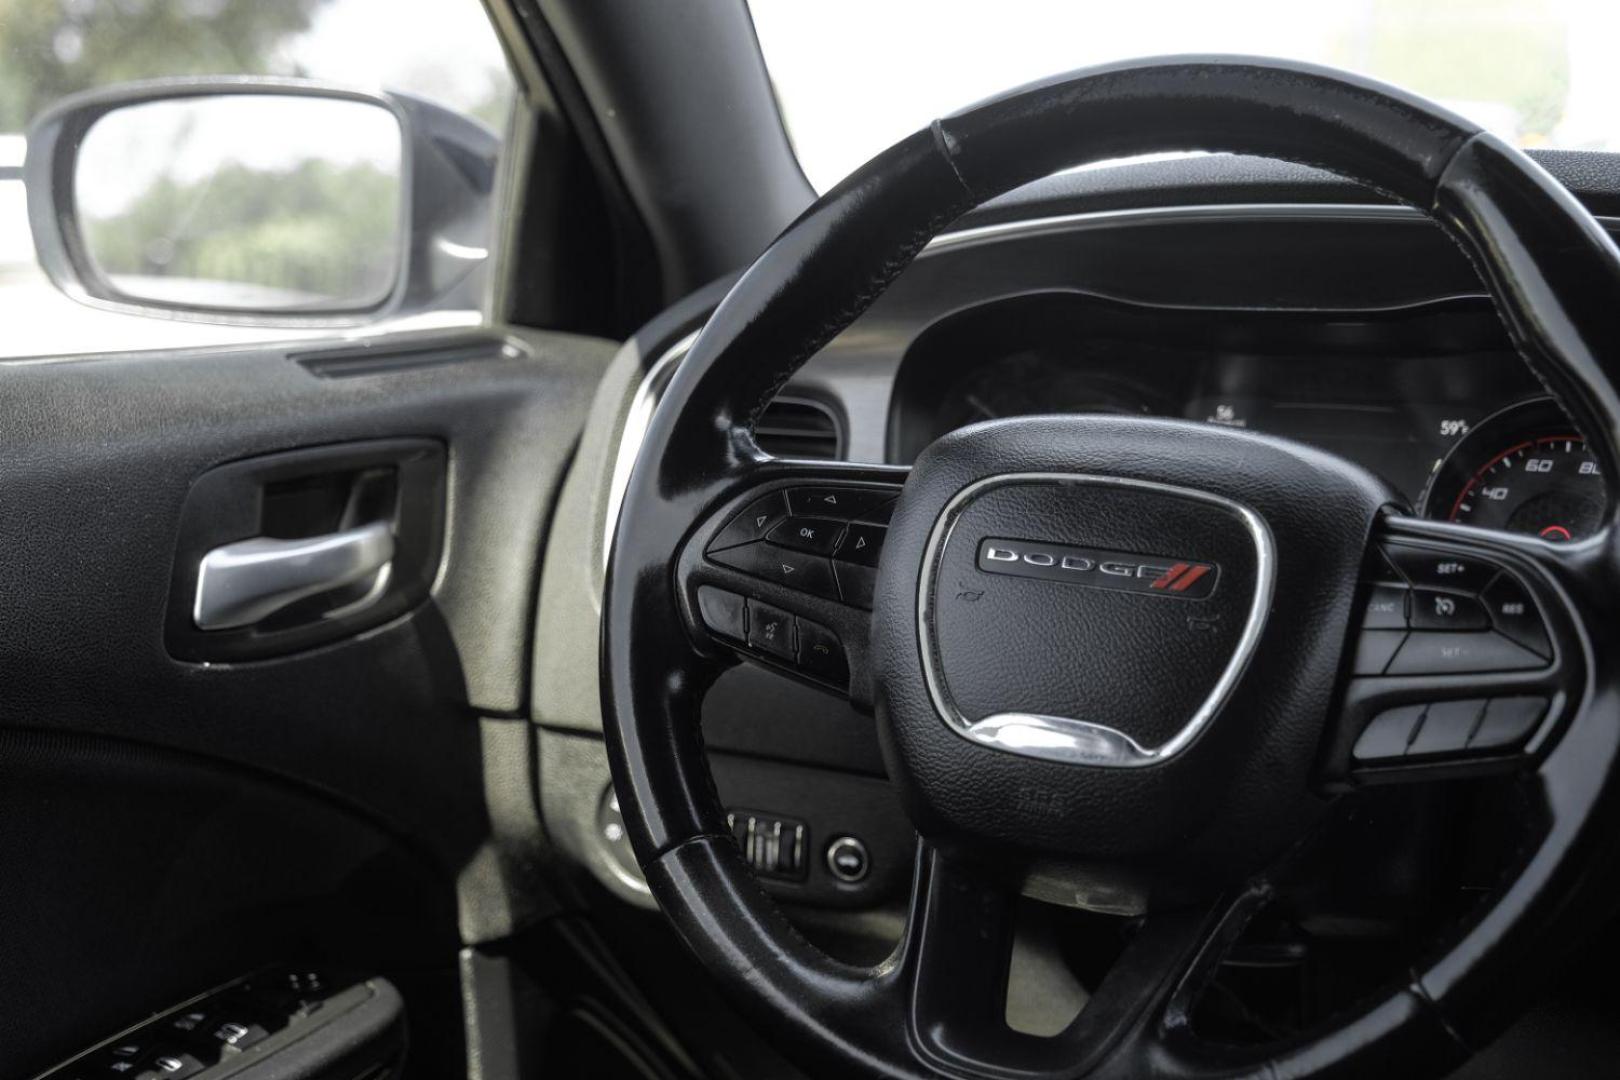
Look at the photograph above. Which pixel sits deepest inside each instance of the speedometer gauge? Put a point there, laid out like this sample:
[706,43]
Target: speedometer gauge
[1524,469]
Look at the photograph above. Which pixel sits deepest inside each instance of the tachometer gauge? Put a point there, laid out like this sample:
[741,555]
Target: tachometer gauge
[1524,469]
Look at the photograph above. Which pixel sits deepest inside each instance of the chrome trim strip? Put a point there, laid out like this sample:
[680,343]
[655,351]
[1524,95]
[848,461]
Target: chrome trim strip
[649,392]
[1092,219]
[1065,739]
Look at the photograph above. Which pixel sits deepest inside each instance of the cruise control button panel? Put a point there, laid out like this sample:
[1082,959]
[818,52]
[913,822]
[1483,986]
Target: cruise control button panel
[1455,668]
[1434,612]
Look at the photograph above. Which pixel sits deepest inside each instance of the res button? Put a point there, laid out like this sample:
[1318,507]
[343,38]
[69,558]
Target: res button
[1514,613]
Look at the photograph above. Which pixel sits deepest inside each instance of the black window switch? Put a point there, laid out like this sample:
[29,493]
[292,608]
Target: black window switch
[171,1063]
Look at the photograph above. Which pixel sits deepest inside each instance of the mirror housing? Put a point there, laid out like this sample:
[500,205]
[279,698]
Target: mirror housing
[447,169]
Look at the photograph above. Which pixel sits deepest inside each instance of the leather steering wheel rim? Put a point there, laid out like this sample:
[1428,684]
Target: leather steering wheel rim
[1552,273]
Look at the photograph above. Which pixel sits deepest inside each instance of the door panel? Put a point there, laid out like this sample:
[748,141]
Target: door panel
[378,734]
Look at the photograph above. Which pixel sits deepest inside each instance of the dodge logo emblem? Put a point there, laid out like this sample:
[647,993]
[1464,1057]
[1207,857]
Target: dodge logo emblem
[1123,571]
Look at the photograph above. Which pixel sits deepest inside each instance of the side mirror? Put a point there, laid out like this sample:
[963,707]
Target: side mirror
[262,201]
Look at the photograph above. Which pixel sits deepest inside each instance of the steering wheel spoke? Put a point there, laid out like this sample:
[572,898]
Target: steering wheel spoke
[1468,655]
[955,968]
[782,572]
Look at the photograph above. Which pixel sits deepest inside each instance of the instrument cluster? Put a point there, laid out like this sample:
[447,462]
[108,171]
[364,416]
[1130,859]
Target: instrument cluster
[1435,403]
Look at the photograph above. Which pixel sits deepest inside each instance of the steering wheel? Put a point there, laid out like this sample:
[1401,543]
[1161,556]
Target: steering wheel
[1132,659]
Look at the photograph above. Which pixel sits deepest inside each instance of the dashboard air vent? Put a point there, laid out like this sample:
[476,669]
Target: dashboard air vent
[799,428]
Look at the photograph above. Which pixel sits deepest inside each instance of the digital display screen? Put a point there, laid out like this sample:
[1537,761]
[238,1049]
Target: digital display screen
[1402,443]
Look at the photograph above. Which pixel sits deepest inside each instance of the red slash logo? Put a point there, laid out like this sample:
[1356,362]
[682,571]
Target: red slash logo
[1180,577]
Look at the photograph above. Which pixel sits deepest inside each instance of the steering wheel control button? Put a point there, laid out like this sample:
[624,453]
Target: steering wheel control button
[821,654]
[1375,649]
[724,613]
[1425,568]
[1445,727]
[753,523]
[1439,653]
[795,569]
[848,860]
[1433,609]
[1514,613]
[862,544]
[1386,608]
[770,630]
[842,503]
[814,536]
[1388,734]
[1507,723]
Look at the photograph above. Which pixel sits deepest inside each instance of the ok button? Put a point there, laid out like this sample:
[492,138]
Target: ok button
[816,536]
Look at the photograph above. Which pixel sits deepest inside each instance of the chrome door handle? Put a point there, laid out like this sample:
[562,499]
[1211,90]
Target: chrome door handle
[241,583]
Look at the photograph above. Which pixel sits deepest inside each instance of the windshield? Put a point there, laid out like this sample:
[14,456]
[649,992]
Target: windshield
[853,76]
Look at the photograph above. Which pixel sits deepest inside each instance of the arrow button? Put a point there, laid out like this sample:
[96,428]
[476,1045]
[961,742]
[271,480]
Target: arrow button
[753,523]
[862,544]
[794,569]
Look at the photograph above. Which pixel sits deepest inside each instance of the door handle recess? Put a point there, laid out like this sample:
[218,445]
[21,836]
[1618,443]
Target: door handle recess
[241,583]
